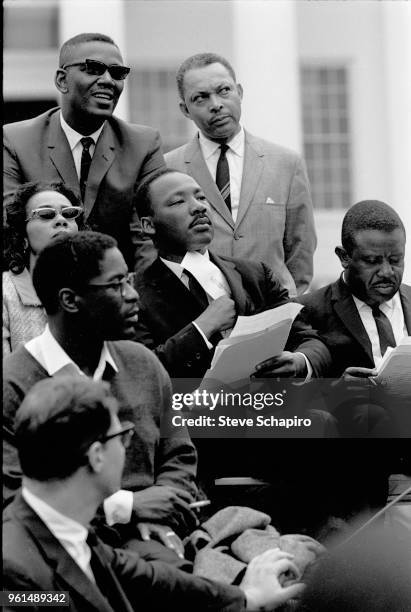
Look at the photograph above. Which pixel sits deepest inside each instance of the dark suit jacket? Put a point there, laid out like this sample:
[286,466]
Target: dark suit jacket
[34,560]
[167,309]
[275,222]
[332,311]
[37,149]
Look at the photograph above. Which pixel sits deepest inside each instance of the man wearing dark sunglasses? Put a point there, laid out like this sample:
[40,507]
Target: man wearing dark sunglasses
[71,448]
[100,157]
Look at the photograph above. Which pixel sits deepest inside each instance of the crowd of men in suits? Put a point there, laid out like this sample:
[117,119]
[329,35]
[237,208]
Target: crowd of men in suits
[221,227]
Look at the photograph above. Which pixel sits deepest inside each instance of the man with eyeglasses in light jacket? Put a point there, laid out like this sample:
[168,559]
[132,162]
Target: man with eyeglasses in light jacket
[99,156]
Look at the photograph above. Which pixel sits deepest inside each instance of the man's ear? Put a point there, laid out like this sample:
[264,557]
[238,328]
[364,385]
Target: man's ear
[240,90]
[69,300]
[96,457]
[148,226]
[60,80]
[184,110]
[342,256]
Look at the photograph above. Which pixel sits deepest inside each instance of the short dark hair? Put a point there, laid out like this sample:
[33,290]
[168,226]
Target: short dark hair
[15,254]
[78,40]
[199,60]
[71,260]
[368,215]
[142,196]
[58,420]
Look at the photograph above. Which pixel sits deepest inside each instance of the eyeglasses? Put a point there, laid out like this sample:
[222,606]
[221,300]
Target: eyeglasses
[96,68]
[125,433]
[122,284]
[48,213]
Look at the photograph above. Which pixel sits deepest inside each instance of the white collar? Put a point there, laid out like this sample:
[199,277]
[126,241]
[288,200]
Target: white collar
[62,526]
[387,306]
[53,357]
[236,144]
[74,137]
[178,268]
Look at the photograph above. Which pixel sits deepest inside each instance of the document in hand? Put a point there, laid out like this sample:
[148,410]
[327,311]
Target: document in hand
[395,366]
[253,339]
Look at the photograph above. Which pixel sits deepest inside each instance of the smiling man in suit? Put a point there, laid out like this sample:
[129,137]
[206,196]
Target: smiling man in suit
[100,157]
[189,296]
[258,191]
[367,308]
[72,449]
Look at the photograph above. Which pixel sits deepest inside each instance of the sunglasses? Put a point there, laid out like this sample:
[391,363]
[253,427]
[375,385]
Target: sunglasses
[96,68]
[47,214]
[126,433]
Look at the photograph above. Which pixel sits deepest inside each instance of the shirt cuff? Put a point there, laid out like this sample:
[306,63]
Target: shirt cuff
[202,334]
[118,507]
[309,368]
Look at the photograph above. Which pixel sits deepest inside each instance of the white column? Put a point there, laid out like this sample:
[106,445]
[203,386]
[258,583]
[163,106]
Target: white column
[265,58]
[103,16]
[396,20]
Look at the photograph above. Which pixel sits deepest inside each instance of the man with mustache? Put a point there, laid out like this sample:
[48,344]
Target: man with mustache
[82,143]
[190,296]
[367,308]
[258,191]
[92,311]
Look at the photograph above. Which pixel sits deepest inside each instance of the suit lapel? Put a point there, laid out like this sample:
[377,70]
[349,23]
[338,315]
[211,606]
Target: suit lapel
[197,168]
[346,310]
[57,557]
[60,153]
[405,295]
[252,170]
[103,157]
[235,283]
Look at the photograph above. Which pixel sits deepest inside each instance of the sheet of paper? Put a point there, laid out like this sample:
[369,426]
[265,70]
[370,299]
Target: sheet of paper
[264,320]
[237,361]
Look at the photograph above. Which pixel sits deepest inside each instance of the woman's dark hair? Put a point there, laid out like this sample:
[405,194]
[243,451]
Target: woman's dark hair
[15,254]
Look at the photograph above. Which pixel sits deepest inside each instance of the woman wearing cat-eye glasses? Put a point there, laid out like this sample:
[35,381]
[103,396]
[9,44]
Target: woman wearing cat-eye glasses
[38,213]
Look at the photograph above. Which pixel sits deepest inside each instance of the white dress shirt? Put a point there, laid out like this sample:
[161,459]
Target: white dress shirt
[235,157]
[74,139]
[71,534]
[52,357]
[393,311]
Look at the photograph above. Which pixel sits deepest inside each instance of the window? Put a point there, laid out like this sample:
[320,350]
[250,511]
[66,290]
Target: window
[154,102]
[327,143]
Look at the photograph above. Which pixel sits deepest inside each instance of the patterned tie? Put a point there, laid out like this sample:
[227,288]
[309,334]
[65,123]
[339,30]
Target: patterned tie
[384,329]
[222,177]
[87,141]
[196,289]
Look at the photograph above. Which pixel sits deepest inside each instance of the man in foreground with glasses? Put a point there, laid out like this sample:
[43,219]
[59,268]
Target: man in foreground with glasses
[91,305]
[99,156]
[71,449]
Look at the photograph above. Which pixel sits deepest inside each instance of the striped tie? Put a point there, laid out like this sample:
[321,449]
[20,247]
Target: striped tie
[222,177]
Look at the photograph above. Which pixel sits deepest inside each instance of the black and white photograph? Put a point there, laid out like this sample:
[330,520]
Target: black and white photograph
[206,298]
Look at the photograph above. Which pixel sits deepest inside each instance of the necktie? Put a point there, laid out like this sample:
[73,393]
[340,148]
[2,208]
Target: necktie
[196,289]
[384,329]
[222,177]
[87,141]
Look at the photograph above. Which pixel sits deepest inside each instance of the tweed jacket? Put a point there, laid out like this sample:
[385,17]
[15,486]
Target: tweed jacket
[23,315]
